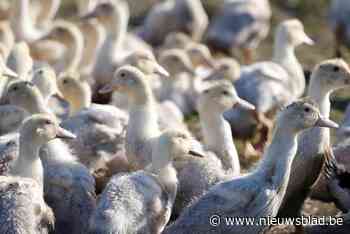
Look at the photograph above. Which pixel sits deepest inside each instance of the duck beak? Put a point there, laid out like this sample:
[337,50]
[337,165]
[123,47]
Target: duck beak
[59,94]
[9,73]
[64,134]
[106,89]
[244,104]
[306,39]
[159,70]
[326,123]
[196,154]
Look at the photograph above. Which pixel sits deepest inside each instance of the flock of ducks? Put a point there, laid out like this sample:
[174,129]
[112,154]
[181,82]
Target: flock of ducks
[93,133]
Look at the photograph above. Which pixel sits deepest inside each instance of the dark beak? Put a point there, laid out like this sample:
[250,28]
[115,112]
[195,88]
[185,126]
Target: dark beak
[196,154]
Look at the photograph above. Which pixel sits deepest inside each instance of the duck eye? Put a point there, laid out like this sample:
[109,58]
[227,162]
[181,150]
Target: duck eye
[122,74]
[48,122]
[15,88]
[65,81]
[307,109]
[226,93]
[336,68]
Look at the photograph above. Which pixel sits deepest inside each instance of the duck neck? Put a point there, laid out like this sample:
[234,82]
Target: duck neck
[143,118]
[37,105]
[284,54]
[28,163]
[314,140]
[74,51]
[218,138]
[22,21]
[92,45]
[48,12]
[81,100]
[118,29]
[276,164]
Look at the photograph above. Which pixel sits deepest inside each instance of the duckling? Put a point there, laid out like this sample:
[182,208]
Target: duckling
[99,128]
[173,16]
[328,76]
[259,193]
[69,35]
[45,79]
[20,61]
[283,77]
[26,188]
[151,193]
[69,187]
[339,10]
[197,175]
[239,25]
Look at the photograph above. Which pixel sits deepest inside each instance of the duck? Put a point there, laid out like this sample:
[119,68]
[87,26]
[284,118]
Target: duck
[100,129]
[142,126]
[151,192]
[170,115]
[283,76]
[177,87]
[69,188]
[34,133]
[221,161]
[339,9]
[45,79]
[71,37]
[173,16]
[24,186]
[20,61]
[118,44]
[85,6]
[260,192]
[327,77]
[239,25]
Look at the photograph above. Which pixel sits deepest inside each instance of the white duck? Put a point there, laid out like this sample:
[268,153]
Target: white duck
[20,61]
[259,193]
[150,193]
[221,162]
[169,16]
[69,187]
[99,128]
[328,76]
[22,201]
[268,85]
[239,24]
[118,43]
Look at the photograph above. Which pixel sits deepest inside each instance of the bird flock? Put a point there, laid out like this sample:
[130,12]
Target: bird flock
[111,128]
